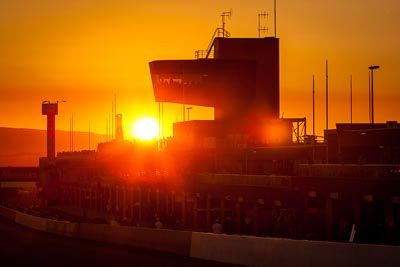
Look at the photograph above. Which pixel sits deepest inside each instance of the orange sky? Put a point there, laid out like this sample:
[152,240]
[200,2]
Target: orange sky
[87,51]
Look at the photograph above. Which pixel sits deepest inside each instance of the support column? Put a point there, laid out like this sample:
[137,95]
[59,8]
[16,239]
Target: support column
[238,218]
[255,218]
[140,204]
[208,217]
[124,202]
[157,200]
[132,203]
[116,200]
[357,214]
[329,218]
[183,208]
[167,199]
[222,212]
[195,224]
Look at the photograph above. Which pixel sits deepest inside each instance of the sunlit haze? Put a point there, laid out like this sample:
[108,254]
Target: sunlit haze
[145,129]
[86,52]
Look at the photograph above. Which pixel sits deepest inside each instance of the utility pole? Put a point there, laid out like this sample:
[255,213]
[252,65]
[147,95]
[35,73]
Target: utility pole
[372,68]
[275,18]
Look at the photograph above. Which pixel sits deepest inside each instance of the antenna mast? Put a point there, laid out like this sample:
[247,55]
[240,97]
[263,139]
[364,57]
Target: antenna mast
[262,28]
[223,15]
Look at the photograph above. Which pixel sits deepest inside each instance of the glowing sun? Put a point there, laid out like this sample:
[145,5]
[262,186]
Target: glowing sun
[145,129]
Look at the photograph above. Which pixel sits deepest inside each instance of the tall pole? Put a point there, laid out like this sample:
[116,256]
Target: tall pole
[162,119]
[112,121]
[70,135]
[372,96]
[372,68]
[369,96]
[159,121]
[115,117]
[183,94]
[89,135]
[326,93]
[313,118]
[275,18]
[351,99]
[72,132]
[313,108]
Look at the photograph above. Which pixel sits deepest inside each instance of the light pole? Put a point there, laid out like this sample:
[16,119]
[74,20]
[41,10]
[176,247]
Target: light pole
[372,68]
[188,109]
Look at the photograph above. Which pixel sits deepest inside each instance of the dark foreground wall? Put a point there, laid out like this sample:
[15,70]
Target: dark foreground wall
[246,250]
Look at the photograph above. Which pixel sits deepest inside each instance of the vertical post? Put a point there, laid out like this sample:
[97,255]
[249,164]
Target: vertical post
[275,18]
[89,135]
[313,107]
[351,99]
[162,119]
[372,68]
[183,211]
[195,211]
[328,218]
[183,94]
[372,96]
[208,206]
[72,132]
[124,202]
[326,92]
[222,210]
[188,111]
[70,135]
[369,96]
[140,204]
[51,133]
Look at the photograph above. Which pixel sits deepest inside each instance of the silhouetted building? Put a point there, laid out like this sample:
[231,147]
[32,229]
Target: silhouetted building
[50,110]
[241,82]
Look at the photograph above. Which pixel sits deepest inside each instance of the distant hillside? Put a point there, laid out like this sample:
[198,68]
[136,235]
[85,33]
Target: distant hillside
[23,147]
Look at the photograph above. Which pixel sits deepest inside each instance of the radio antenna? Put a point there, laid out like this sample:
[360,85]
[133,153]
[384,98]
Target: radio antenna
[262,28]
[223,15]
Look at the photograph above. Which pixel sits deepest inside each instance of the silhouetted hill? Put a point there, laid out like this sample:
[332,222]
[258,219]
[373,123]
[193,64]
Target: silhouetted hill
[23,147]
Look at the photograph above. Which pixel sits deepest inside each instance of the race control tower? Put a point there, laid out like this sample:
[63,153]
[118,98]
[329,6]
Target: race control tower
[50,110]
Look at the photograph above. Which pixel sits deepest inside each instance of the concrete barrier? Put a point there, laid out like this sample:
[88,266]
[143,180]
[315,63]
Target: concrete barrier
[31,221]
[173,241]
[244,250]
[255,251]
[177,242]
[62,228]
[7,213]
[95,232]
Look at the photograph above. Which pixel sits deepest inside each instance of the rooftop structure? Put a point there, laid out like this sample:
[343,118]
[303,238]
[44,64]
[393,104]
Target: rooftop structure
[50,110]
[241,82]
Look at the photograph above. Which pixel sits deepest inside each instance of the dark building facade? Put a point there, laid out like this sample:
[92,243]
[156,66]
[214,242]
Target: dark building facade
[241,82]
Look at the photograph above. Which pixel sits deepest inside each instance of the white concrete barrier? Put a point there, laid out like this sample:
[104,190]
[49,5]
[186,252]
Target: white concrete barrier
[62,228]
[256,251]
[31,221]
[156,239]
[165,240]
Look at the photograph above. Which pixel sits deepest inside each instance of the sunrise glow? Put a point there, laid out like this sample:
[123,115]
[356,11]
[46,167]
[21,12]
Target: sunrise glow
[145,129]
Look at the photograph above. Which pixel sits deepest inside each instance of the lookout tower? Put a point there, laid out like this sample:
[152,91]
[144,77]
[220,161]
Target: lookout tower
[50,110]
